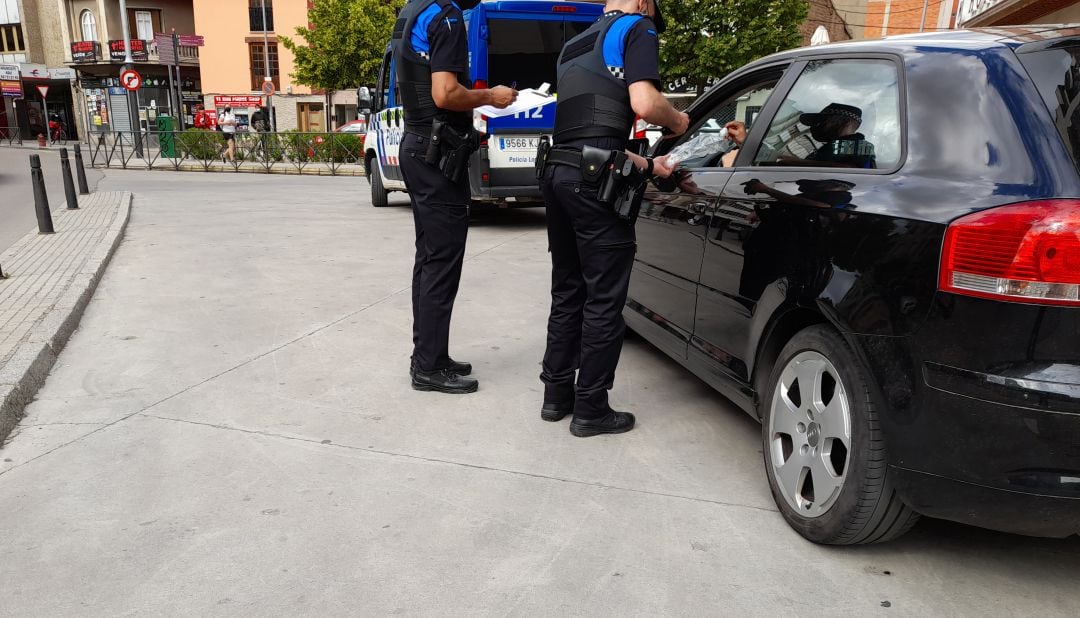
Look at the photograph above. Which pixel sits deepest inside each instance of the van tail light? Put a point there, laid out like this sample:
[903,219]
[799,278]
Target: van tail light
[564,8]
[479,84]
[1026,252]
[639,127]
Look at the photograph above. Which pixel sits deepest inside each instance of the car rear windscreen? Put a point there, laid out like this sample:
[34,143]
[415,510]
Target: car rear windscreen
[526,51]
[1056,73]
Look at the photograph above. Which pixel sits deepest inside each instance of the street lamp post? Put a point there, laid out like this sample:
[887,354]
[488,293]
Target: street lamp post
[266,66]
[133,110]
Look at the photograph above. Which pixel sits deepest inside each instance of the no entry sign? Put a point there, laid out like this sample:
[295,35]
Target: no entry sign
[131,80]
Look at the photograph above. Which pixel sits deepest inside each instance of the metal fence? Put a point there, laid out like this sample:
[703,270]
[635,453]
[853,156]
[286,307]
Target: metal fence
[200,150]
[12,134]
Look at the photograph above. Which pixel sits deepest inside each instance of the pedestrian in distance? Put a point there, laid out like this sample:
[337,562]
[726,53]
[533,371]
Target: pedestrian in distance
[431,55]
[227,122]
[606,75]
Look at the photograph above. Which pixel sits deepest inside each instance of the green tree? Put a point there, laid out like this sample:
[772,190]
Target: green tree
[707,40]
[344,45]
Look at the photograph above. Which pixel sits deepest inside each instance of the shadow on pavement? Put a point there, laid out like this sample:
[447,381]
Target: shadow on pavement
[508,218]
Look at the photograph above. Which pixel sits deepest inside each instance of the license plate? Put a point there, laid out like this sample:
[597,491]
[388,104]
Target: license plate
[519,143]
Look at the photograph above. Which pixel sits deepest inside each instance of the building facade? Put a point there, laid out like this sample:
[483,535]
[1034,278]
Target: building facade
[93,38]
[239,46]
[980,13]
[891,17]
[35,86]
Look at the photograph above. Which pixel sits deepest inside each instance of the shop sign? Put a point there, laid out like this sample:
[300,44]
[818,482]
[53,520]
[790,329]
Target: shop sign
[192,40]
[9,72]
[34,71]
[10,88]
[85,51]
[63,73]
[243,100]
[138,50]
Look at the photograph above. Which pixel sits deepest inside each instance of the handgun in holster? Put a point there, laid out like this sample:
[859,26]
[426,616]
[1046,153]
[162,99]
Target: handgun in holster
[450,149]
[620,184]
[542,151]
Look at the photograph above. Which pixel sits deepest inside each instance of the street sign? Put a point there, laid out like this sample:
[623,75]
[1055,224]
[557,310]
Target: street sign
[268,89]
[192,40]
[44,90]
[130,79]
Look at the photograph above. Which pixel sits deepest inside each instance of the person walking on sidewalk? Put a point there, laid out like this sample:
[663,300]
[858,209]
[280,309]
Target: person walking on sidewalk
[606,75]
[228,130]
[431,53]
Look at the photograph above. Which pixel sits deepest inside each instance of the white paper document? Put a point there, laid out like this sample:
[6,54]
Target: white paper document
[529,98]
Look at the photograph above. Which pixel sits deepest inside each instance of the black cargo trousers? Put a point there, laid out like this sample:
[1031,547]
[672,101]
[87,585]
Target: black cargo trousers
[592,253]
[441,216]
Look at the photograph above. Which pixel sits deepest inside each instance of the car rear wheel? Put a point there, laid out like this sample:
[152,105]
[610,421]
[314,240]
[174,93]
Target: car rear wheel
[379,197]
[824,448]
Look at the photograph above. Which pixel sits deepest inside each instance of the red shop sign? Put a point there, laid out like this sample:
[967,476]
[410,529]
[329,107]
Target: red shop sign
[243,100]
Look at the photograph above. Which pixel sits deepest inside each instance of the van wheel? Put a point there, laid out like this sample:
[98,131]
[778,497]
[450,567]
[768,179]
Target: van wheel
[823,445]
[379,198]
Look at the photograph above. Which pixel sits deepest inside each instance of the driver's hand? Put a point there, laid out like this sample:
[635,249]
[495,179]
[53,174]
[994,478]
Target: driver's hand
[503,96]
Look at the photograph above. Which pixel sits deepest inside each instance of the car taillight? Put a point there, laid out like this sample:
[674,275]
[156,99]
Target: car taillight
[479,84]
[639,127]
[563,8]
[1026,252]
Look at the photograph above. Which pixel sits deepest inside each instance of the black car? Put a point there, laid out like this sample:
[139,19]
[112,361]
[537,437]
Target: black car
[887,276]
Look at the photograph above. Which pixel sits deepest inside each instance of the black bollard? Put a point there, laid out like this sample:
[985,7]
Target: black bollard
[80,171]
[69,185]
[41,199]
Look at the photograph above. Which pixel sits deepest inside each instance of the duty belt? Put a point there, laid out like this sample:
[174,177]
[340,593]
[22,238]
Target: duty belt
[564,156]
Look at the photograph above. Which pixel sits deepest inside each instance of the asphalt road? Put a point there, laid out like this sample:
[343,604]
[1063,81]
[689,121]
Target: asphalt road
[17,194]
[231,431]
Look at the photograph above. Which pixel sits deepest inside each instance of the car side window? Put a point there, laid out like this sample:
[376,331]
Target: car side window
[717,135]
[840,113]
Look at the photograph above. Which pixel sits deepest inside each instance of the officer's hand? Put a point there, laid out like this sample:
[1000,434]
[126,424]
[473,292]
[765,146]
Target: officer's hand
[662,166]
[502,96]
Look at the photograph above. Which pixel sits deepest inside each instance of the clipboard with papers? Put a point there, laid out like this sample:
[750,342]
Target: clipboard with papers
[529,98]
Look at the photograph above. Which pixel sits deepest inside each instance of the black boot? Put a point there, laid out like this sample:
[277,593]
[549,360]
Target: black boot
[462,369]
[554,412]
[443,381]
[612,422]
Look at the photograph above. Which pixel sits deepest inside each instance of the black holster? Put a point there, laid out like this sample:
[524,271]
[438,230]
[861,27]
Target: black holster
[449,149]
[621,184]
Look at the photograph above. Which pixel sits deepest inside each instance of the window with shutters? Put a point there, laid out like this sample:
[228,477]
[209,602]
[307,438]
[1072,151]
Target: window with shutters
[258,64]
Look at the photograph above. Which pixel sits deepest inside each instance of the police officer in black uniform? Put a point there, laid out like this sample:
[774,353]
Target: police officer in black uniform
[605,75]
[431,55]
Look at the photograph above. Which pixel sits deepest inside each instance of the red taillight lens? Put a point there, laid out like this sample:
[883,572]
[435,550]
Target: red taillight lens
[479,84]
[559,8]
[639,127]
[1027,252]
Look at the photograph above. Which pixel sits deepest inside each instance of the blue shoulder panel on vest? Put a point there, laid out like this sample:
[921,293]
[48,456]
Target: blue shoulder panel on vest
[423,22]
[615,40]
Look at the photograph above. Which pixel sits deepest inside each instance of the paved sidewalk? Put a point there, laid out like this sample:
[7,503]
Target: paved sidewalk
[231,432]
[50,279]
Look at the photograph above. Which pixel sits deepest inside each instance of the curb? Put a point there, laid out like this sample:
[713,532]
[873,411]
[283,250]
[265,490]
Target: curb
[25,373]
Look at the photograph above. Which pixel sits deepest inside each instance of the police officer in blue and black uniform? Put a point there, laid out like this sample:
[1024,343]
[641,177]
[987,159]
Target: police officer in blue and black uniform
[605,75]
[431,55]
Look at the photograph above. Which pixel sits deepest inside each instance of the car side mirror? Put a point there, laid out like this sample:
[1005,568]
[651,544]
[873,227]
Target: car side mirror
[638,146]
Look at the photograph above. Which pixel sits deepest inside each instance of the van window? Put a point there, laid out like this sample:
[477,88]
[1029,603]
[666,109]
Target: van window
[840,113]
[527,51]
[1054,72]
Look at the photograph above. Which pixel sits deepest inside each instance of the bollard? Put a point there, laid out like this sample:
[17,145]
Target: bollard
[69,184]
[80,170]
[41,199]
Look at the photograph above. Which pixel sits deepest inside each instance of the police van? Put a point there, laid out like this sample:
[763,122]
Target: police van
[511,43]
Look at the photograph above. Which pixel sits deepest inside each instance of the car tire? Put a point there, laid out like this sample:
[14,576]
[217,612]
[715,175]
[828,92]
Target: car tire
[824,447]
[379,196]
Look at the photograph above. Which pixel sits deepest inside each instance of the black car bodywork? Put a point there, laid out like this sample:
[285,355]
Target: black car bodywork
[982,419]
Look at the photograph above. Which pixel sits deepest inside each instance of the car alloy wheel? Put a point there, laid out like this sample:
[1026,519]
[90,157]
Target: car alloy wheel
[810,434]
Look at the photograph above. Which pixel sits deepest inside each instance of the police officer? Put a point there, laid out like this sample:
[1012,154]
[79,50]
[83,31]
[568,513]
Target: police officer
[605,75]
[431,55]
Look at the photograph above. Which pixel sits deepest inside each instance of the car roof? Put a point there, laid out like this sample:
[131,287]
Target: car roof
[975,38]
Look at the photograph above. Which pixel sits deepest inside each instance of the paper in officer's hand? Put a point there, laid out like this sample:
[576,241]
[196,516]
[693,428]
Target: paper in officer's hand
[529,98]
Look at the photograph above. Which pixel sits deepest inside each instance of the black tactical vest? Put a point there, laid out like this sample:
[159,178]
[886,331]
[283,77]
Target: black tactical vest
[592,101]
[414,71]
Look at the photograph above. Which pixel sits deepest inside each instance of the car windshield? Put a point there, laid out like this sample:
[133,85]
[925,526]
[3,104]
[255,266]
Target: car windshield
[1056,74]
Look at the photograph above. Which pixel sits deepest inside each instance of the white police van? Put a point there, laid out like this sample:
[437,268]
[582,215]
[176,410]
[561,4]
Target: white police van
[511,43]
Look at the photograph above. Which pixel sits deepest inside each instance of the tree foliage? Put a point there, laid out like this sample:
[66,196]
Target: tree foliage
[707,40]
[344,45]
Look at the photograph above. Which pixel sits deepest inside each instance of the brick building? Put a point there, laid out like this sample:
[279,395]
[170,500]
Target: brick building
[889,17]
[824,13]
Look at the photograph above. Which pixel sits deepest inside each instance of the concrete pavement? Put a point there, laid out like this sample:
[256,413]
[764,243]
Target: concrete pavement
[231,432]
